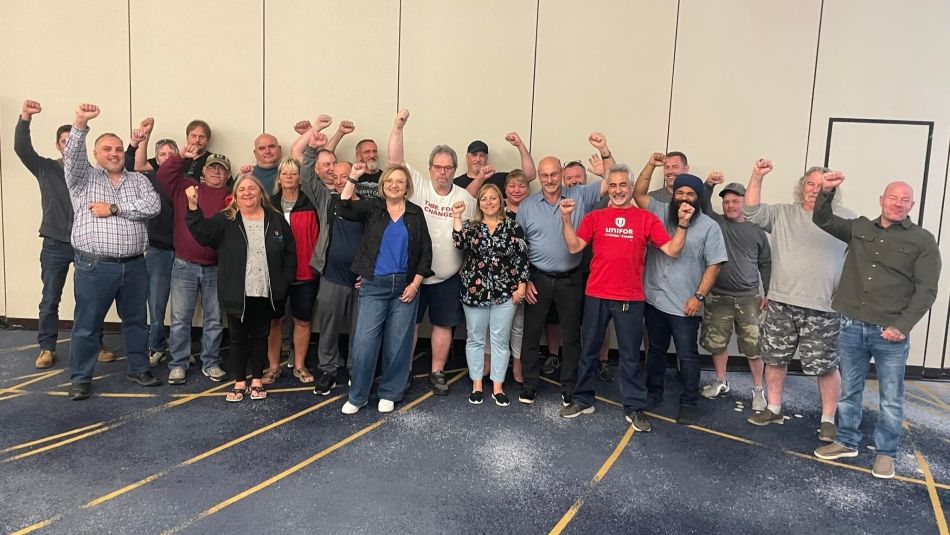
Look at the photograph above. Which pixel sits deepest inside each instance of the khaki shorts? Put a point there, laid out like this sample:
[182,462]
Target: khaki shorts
[723,314]
[813,333]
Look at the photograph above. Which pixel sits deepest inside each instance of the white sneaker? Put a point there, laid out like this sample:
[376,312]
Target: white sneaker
[714,390]
[386,405]
[758,399]
[349,408]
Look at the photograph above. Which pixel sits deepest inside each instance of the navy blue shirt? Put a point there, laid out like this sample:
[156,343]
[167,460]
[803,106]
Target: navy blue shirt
[393,254]
[345,236]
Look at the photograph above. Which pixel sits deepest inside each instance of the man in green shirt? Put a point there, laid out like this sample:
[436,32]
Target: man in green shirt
[888,283]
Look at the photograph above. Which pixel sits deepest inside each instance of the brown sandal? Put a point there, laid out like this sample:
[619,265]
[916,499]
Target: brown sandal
[258,392]
[303,374]
[270,375]
[236,395]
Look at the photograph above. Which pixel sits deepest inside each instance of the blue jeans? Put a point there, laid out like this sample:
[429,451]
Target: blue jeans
[96,285]
[158,262]
[384,321]
[478,320]
[684,331]
[628,324]
[55,257]
[188,279]
[858,342]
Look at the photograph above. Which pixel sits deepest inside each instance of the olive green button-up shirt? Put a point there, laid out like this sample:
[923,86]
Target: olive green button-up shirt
[890,274]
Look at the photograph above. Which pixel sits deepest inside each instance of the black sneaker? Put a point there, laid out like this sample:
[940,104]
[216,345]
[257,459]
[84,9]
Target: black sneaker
[526,396]
[324,384]
[688,415]
[639,421]
[566,399]
[605,372]
[439,386]
[551,364]
[476,398]
[574,410]
[79,391]
[501,399]
[144,379]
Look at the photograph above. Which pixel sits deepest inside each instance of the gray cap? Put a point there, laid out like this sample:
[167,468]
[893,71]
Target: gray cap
[733,187]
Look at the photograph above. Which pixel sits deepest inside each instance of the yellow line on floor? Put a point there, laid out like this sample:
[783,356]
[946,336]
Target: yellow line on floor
[11,396]
[41,377]
[53,437]
[932,491]
[30,346]
[27,376]
[299,466]
[930,393]
[604,468]
[34,527]
[96,378]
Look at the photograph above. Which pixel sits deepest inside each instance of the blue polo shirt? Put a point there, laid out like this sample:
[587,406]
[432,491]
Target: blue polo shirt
[541,222]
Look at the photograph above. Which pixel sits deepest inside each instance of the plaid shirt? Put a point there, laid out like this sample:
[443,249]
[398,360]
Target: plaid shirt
[122,235]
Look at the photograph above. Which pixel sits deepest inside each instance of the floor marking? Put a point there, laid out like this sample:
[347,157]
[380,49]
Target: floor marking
[96,378]
[27,376]
[53,437]
[31,346]
[926,390]
[421,375]
[41,377]
[932,491]
[33,527]
[12,396]
[569,515]
[301,465]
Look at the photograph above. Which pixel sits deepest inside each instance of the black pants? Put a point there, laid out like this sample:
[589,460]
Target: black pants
[568,294]
[249,339]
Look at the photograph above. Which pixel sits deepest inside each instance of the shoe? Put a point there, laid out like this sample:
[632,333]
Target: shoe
[758,399]
[766,417]
[574,410]
[689,415]
[215,373]
[324,384]
[501,399]
[605,372]
[526,396]
[270,375]
[566,399]
[883,467]
[176,376]
[835,451]
[257,392]
[106,356]
[385,405]
[349,408]
[79,391]
[638,419]
[45,359]
[654,401]
[155,357]
[828,432]
[476,398]
[439,386]
[714,390]
[144,379]
[551,364]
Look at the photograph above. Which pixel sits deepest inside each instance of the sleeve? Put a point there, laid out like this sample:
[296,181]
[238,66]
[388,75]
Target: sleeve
[585,230]
[462,238]
[207,232]
[23,147]
[657,232]
[289,265]
[172,177]
[354,210]
[425,249]
[926,273]
[762,215]
[76,164]
[130,158]
[706,203]
[589,195]
[470,203]
[824,217]
[419,185]
[310,183]
[714,249]
[765,262]
[521,250]
[146,205]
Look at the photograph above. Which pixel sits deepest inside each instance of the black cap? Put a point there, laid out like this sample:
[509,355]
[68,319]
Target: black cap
[477,146]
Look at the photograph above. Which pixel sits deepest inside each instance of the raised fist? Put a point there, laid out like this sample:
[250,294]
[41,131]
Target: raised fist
[487,171]
[685,213]
[138,136]
[146,125]
[401,117]
[715,178]
[302,127]
[191,193]
[657,159]
[357,170]
[346,127]
[317,139]
[31,108]
[323,121]
[598,140]
[246,169]
[190,151]
[831,180]
[458,208]
[85,112]
[761,168]
[567,206]
[514,139]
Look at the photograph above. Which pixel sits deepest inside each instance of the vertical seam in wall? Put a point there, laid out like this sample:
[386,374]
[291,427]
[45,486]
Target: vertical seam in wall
[398,54]
[946,327]
[669,115]
[263,65]
[128,18]
[534,74]
[3,244]
[814,83]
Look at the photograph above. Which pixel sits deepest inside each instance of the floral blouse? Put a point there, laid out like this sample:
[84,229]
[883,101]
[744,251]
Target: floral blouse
[494,264]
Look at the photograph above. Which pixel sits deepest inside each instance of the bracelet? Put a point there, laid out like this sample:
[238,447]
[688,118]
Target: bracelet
[603,157]
[684,227]
[351,180]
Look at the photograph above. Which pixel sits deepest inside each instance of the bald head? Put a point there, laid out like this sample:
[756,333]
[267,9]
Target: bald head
[549,175]
[267,151]
[896,203]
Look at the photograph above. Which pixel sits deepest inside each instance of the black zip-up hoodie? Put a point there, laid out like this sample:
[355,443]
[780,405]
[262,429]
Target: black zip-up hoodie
[374,216]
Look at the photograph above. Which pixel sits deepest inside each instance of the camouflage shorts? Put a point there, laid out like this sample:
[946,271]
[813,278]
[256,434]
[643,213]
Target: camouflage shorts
[722,314]
[813,333]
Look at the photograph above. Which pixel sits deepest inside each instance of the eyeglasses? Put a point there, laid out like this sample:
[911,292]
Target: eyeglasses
[444,168]
[573,163]
[169,142]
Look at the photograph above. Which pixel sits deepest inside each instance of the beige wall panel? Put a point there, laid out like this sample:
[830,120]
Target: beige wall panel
[886,60]
[341,59]
[188,62]
[466,73]
[603,66]
[87,64]
[742,88]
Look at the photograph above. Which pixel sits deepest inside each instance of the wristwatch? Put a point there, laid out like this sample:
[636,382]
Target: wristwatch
[699,297]
[351,180]
[113,209]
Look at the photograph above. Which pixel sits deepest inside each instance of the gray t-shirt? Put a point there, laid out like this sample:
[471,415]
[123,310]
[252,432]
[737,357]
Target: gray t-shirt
[662,195]
[256,276]
[807,261]
[670,282]
[749,255]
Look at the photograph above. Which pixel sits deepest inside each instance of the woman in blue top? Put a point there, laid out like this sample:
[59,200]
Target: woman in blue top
[395,254]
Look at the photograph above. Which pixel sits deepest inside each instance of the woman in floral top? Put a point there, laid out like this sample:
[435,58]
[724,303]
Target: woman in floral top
[494,275]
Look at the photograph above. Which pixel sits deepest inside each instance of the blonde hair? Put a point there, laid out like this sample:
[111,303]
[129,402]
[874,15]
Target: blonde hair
[289,161]
[479,216]
[231,210]
[389,171]
[516,175]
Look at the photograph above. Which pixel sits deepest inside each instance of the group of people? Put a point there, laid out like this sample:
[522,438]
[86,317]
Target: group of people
[372,249]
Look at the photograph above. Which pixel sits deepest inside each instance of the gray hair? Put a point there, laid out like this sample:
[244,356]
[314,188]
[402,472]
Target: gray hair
[800,183]
[619,168]
[444,149]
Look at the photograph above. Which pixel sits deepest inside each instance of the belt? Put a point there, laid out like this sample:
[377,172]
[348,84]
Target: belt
[109,259]
[552,275]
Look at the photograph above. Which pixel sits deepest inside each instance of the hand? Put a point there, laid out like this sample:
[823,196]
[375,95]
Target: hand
[761,168]
[458,209]
[138,136]
[357,170]
[657,159]
[246,169]
[692,307]
[715,178]
[401,118]
[831,180]
[764,303]
[517,297]
[891,334]
[302,127]
[486,171]
[359,282]
[190,151]
[146,125]
[191,193]
[531,294]
[598,141]
[514,139]
[685,213]
[317,139]
[409,293]
[596,164]
[30,108]
[323,121]
[346,127]
[85,113]
[100,209]
[567,207]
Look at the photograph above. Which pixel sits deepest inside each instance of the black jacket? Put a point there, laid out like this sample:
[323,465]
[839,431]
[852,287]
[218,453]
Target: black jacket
[374,216]
[230,239]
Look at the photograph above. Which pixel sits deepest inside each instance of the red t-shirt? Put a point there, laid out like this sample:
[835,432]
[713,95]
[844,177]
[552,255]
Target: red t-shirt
[619,237]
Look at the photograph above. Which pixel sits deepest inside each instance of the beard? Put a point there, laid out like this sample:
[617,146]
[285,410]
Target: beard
[372,166]
[673,218]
